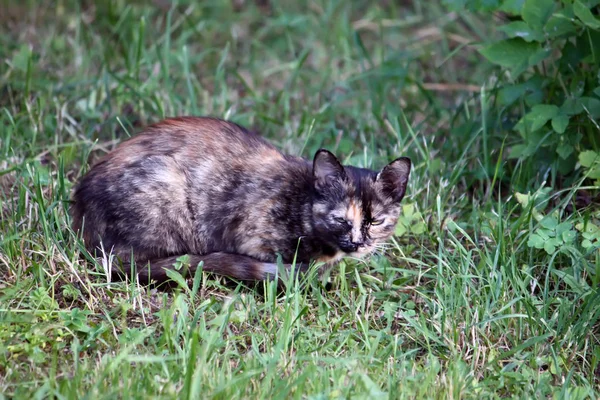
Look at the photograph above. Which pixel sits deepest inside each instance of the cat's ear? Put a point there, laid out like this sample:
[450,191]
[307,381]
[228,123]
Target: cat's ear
[393,178]
[327,168]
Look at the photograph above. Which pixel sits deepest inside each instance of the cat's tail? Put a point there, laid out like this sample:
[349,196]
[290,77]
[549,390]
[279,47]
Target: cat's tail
[227,264]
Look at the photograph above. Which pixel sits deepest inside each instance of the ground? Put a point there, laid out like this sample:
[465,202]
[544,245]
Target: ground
[462,304]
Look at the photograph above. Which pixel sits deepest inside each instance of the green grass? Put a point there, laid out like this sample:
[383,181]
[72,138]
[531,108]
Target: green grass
[463,305]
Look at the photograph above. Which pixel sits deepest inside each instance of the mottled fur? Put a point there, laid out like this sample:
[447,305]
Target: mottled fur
[211,189]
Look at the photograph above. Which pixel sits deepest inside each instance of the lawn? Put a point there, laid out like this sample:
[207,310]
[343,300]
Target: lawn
[488,289]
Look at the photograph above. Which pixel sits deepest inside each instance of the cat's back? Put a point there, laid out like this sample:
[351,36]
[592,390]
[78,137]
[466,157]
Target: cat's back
[189,139]
[169,153]
[151,179]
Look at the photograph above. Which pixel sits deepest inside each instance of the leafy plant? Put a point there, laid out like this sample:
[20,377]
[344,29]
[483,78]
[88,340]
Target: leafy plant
[410,221]
[551,55]
[591,235]
[552,235]
[590,160]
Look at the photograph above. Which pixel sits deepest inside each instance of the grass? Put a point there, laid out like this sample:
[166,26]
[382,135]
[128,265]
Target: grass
[463,305]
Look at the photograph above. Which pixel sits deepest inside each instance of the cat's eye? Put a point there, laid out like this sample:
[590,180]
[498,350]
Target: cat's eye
[376,222]
[340,220]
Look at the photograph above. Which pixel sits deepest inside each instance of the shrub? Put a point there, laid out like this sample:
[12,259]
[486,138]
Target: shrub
[550,85]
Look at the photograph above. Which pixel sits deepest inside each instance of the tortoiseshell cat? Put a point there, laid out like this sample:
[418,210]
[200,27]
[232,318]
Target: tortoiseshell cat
[211,189]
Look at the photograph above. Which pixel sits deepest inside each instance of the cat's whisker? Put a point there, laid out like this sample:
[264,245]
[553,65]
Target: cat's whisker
[383,248]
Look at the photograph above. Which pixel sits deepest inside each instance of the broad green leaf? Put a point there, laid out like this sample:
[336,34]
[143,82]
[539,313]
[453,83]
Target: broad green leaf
[550,246]
[510,93]
[565,166]
[419,228]
[549,223]
[538,116]
[176,277]
[589,158]
[594,173]
[591,106]
[535,241]
[520,29]
[560,123]
[562,228]
[510,53]
[588,228]
[512,6]
[534,98]
[523,199]
[545,233]
[408,210]
[537,12]
[401,228]
[541,113]
[572,106]
[559,25]
[519,150]
[538,56]
[568,236]
[585,15]
[565,150]
[182,261]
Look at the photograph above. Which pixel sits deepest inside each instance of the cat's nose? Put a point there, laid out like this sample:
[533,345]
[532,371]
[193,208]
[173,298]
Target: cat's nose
[353,246]
[349,247]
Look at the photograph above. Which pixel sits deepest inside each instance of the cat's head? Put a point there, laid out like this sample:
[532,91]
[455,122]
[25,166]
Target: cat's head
[354,209]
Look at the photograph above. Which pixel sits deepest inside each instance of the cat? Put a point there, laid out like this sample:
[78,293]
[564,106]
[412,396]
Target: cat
[223,195]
